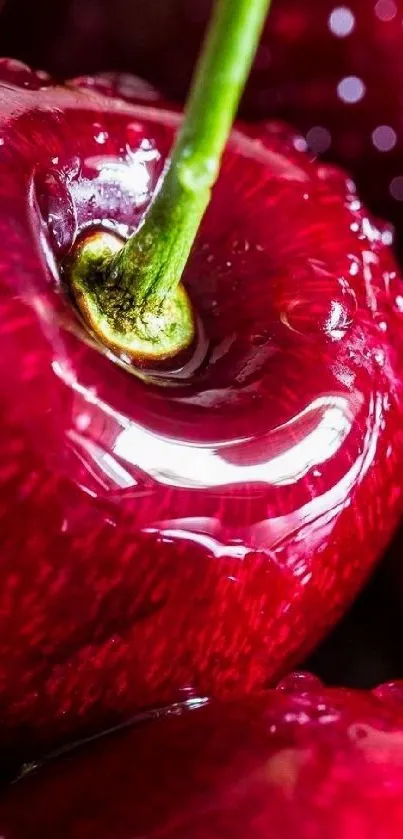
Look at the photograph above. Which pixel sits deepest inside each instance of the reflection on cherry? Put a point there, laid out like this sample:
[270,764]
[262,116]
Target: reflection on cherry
[185,531]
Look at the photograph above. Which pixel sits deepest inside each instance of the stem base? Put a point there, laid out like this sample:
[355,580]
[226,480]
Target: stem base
[142,333]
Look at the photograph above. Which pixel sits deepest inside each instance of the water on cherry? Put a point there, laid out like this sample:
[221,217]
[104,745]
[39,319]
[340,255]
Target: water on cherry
[187,532]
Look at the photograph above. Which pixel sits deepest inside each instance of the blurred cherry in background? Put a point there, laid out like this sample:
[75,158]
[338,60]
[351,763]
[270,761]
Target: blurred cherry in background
[301,761]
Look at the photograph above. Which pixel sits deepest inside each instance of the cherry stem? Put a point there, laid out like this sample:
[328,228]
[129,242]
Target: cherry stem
[156,255]
[145,272]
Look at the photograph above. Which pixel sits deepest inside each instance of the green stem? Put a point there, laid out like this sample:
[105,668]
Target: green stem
[143,274]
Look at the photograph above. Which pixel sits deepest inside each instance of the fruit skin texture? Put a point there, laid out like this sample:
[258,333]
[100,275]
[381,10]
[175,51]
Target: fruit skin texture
[195,534]
[303,761]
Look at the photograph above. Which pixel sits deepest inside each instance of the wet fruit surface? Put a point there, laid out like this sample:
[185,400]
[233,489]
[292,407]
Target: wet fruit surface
[303,760]
[191,533]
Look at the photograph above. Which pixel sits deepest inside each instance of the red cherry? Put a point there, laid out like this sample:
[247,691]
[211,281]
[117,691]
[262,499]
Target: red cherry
[196,533]
[303,760]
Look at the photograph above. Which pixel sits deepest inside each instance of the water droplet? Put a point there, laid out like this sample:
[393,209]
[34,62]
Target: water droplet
[259,339]
[311,301]
[240,246]
[355,205]
[298,717]
[56,207]
[299,681]
[387,237]
[390,694]
[101,137]
[147,144]
[383,326]
[328,719]
[132,87]
[17,74]
[123,85]
[83,421]
[100,82]
[135,134]
[379,357]
[354,266]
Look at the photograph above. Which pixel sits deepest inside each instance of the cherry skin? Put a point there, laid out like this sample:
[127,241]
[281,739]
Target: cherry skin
[189,531]
[302,760]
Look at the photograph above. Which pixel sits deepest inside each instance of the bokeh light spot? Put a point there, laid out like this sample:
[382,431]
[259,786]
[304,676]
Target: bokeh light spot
[341,21]
[318,139]
[351,89]
[396,188]
[384,138]
[385,10]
